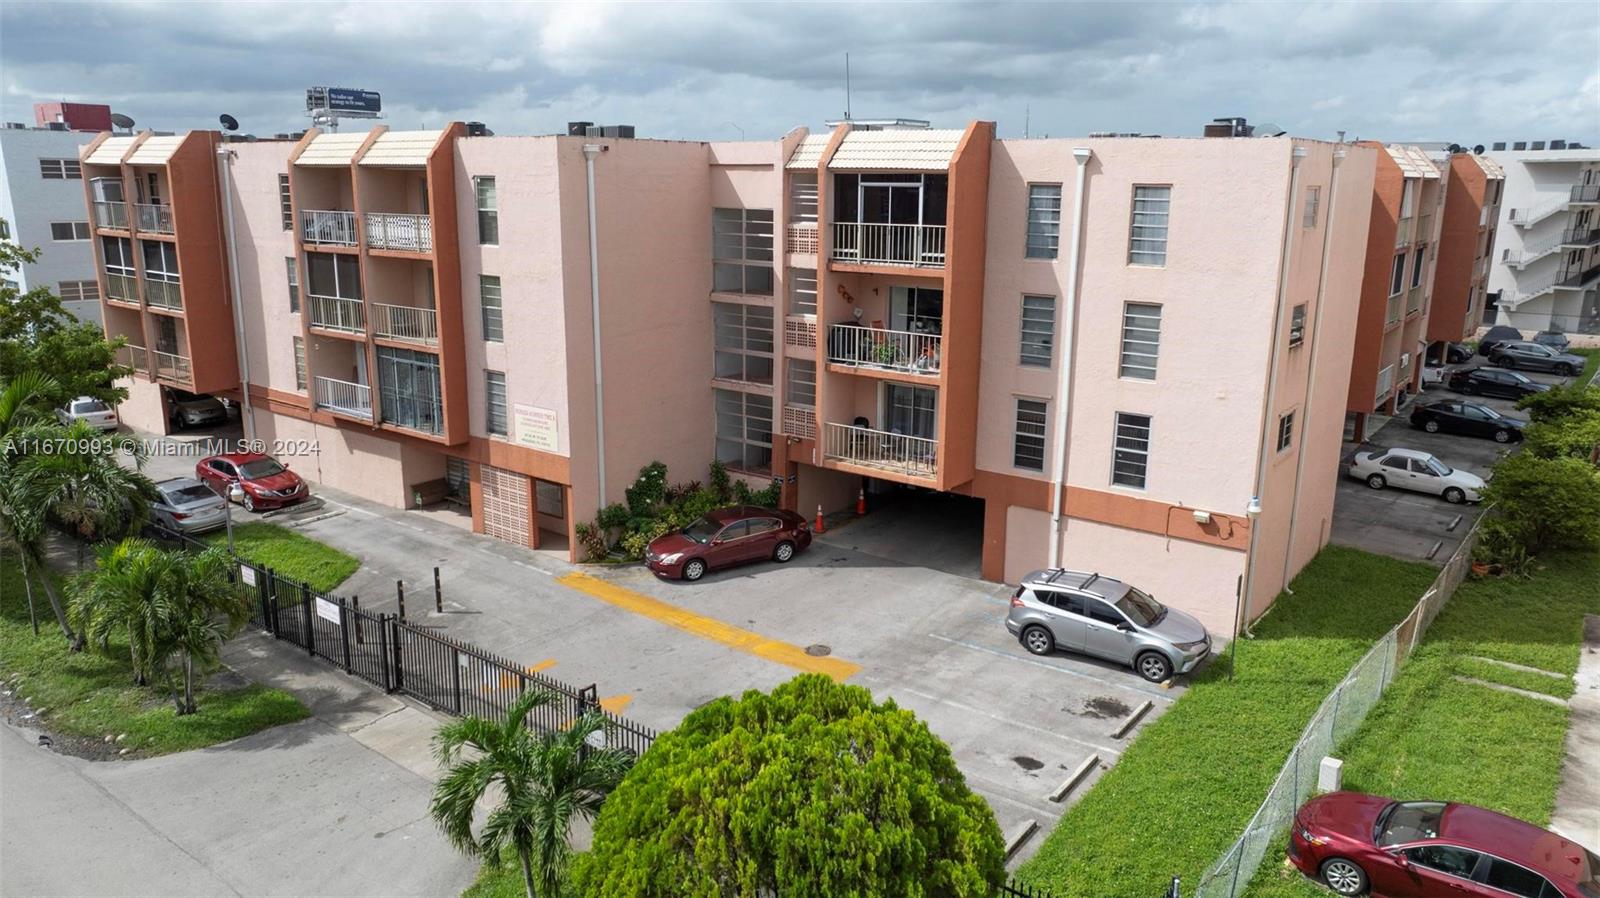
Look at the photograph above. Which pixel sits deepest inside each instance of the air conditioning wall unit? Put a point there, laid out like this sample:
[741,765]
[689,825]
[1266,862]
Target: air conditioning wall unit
[1405,360]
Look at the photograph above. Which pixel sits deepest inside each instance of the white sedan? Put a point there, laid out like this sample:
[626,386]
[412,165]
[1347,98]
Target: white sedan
[1408,469]
[90,411]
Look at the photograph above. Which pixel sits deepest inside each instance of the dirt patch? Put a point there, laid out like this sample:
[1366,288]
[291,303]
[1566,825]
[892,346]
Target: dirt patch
[1102,708]
[20,715]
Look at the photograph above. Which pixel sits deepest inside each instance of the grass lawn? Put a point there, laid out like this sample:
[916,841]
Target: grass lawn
[504,881]
[1433,736]
[92,695]
[290,554]
[1190,782]
[1590,367]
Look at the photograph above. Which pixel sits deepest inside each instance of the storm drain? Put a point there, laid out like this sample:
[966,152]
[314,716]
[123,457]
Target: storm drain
[817,649]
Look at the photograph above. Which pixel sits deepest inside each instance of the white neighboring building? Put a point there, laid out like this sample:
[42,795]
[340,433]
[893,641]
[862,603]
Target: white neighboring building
[41,201]
[1547,267]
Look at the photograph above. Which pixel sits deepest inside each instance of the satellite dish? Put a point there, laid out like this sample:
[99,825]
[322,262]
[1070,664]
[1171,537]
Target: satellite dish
[1457,148]
[121,121]
[1478,150]
[229,123]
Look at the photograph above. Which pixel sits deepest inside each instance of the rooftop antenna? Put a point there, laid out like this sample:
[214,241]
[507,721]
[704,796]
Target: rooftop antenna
[1027,119]
[847,87]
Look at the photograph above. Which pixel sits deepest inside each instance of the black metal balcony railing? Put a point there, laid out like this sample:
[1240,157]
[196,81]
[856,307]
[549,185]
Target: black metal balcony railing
[1585,193]
[1575,277]
[1580,236]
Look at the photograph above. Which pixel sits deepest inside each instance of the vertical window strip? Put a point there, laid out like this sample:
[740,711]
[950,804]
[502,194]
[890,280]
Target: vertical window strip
[299,363]
[1147,238]
[1044,221]
[1131,455]
[1027,446]
[488,210]
[493,312]
[1038,330]
[495,392]
[1141,340]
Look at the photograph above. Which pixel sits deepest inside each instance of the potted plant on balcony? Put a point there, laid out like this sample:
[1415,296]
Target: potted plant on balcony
[883,353]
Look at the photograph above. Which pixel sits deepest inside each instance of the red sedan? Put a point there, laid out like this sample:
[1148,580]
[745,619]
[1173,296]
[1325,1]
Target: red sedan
[264,482]
[726,537]
[1428,849]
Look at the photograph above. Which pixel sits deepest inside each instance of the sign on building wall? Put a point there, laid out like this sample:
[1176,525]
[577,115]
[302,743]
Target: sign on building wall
[536,428]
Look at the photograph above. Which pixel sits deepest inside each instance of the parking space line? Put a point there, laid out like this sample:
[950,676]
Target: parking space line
[709,628]
[1010,722]
[1071,673]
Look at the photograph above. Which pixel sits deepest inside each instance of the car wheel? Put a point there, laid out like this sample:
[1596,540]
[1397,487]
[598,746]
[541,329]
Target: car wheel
[1153,666]
[249,503]
[1376,481]
[1038,640]
[1455,496]
[1565,370]
[694,569]
[1502,436]
[783,552]
[1343,876]
[1469,388]
[1431,426]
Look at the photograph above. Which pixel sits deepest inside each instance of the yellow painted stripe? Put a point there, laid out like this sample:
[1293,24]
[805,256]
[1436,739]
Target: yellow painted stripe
[615,703]
[710,628]
[546,664]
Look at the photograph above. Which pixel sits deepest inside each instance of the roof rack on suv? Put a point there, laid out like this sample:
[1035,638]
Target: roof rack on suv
[1062,572]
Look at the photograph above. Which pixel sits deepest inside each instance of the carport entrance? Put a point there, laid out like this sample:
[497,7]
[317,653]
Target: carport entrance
[917,526]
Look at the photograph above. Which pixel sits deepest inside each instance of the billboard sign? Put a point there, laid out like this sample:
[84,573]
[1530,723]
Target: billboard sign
[344,101]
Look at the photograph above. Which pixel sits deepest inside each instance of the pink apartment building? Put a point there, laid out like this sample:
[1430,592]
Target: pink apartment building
[1111,345]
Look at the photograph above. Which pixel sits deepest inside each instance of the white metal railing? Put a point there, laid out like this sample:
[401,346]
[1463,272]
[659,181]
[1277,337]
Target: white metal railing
[897,452]
[801,237]
[153,218]
[111,215]
[135,357]
[1385,383]
[876,347]
[1584,193]
[1414,300]
[413,323]
[335,313]
[172,366]
[403,231]
[163,294]
[1536,285]
[329,228]
[1403,231]
[800,421]
[1394,311]
[1531,251]
[121,287]
[920,246]
[345,397]
[1425,228]
[1532,215]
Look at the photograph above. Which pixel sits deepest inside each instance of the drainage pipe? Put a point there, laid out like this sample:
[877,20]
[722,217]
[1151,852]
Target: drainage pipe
[1058,460]
[590,151]
[224,157]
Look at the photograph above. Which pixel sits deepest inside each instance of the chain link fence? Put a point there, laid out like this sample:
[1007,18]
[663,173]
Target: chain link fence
[1340,715]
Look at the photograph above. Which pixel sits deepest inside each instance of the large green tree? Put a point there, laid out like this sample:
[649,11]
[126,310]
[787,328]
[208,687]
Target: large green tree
[813,791]
[38,334]
[1546,503]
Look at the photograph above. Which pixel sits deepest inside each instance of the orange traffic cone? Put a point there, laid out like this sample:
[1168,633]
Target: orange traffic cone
[861,502]
[819,528]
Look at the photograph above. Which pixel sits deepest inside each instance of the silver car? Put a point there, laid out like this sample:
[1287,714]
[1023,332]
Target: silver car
[187,505]
[1094,615]
[90,411]
[1411,469]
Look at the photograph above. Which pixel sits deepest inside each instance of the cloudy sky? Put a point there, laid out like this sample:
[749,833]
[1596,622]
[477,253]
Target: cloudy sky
[1463,72]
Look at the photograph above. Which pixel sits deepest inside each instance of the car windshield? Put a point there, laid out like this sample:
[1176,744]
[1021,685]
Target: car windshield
[1486,411]
[1141,608]
[1409,821]
[1439,467]
[702,531]
[183,495]
[93,405]
[1589,882]
[261,467]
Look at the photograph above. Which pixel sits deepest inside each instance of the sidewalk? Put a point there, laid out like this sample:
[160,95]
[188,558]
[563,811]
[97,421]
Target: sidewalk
[1577,811]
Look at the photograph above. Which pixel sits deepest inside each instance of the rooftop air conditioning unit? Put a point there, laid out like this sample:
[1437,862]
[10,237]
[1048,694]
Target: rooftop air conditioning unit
[579,129]
[56,126]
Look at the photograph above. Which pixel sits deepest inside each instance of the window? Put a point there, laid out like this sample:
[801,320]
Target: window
[1297,325]
[1141,339]
[1516,879]
[69,230]
[292,271]
[1044,221]
[408,388]
[742,342]
[741,251]
[60,170]
[5,229]
[285,207]
[495,391]
[299,363]
[336,275]
[1131,458]
[1313,201]
[1416,269]
[488,211]
[801,383]
[1100,611]
[1408,198]
[1397,275]
[160,261]
[744,430]
[802,291]
[494,328]
[1027,445]
[1147,236]
[803,197]
[1445,858]
[78,291]
[550,499]
[1285,431]
[118,254]
[1067,602]
[1038,330]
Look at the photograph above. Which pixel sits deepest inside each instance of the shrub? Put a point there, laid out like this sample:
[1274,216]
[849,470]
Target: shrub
[1546,503]
[1560,402]
[614,516]
[1575,435]
[648,490]
[698,503]
[677,492]
[592,541]
[720,483]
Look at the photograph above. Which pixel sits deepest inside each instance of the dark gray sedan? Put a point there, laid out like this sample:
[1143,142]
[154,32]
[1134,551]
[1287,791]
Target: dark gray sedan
[1535,357]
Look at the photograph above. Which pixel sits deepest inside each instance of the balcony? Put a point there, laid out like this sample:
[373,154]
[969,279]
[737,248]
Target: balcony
[1403,231]
[801,237]
[344,397]
[1572,277]
[335,313]
[1425,228]
[111,215]
[1532,215]
[1532,250]
[153,219]
[1385,383]
[408,233]
[881,450]
[173,367]
[328,228]
[903,245]
[410,323]
[135,357]
[163,294]
[1392,313]
[1414,300]
[122,288]
[1580,237]
[1584,193]
[883,349]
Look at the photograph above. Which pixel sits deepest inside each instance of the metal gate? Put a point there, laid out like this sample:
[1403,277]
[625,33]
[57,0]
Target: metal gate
[506,501]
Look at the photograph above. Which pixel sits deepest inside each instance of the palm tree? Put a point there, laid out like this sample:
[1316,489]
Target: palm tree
[544,781]
[201,609]
[123,594]
[21,521]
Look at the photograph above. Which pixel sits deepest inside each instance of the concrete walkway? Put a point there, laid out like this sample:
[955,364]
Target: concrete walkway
[1577,811]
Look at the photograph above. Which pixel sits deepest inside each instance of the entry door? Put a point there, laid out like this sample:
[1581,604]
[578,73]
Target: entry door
[891,203]
[917,309]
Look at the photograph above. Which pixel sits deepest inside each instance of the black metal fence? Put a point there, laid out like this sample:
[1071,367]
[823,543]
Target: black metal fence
[1014,889]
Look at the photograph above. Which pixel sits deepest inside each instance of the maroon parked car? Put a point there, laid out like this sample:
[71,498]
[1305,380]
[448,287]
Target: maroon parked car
[264,482]
[726,537]
[1430,849]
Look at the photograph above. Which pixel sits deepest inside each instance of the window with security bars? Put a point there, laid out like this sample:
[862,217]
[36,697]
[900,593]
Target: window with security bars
[742,342]
[69,230]
[1141,340]
[741,251]
[1297,325]
[1027,442]
[292,268]
[285,207]
[299,363]
[550,498]
[1147,234]
[60,170]
[802,291]
[1285,431]
[1038,330]
[803,197]
[800,383]
[744,430]
[489,302]
[488,211]
[1313,201]
[408,389]
[458,477]
[78,291]
[495,392]
[1044,221]
[1131,457]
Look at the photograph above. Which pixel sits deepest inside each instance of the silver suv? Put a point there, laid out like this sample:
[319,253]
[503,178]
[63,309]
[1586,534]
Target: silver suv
[1085,612]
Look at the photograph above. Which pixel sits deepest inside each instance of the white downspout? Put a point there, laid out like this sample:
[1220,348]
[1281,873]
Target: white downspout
[1311,360]
[591,150]
[224,154]
[1069,333]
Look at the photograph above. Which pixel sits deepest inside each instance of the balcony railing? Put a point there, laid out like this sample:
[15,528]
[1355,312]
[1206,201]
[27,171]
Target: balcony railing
[122,288]
[801,237]
[1414,300]
[1385,383]
[173,367]
[335,313]
[344,397]
[1532,215]
[1531,250]
[1425,228]
[880,449]
[163,294]
[412,233]
[876,347]
[135,357]
[1584,193]
[1573,277]
[917,246]
[1393,313]
[326,228]
[1403,231]
[1580,236]
[412,323]
[111,215]
[153,219]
